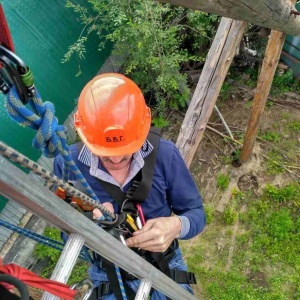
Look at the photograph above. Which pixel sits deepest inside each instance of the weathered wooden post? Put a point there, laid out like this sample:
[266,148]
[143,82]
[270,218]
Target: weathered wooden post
[270,62]
[216,66]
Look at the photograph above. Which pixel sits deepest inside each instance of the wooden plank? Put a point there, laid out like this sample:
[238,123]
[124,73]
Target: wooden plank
[270,62]
[274,14]
[219,58]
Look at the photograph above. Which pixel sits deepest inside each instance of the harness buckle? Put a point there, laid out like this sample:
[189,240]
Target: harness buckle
[103,289]
[191,278]
[15,72]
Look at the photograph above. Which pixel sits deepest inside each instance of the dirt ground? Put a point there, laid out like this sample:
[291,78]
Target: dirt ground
[214,153]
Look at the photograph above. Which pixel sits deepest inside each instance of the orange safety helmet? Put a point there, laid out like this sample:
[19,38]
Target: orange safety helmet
[112,117]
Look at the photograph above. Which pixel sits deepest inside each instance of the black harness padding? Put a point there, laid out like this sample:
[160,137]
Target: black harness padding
[142,182]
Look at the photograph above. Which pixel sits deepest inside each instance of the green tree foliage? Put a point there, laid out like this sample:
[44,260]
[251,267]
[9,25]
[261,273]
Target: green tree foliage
[155,39]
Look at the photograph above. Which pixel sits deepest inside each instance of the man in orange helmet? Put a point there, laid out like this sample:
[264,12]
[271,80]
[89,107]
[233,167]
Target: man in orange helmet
[113,122]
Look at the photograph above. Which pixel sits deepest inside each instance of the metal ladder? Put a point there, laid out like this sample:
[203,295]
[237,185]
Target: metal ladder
[17,186]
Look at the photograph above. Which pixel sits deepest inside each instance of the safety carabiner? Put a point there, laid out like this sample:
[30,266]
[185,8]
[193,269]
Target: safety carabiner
[15,72]
[84,289]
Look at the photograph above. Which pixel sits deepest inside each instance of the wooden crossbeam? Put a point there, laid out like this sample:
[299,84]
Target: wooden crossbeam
[280,15]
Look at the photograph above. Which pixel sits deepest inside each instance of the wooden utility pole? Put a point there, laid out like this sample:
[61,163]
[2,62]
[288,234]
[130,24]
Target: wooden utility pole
[270,62]
[280,15]
[217,63]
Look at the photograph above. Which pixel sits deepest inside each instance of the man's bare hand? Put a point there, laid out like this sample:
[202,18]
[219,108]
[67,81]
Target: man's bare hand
[156,235]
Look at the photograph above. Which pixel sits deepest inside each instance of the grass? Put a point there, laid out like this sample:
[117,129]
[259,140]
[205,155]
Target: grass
[79,271]
[223,181]
[253,253]
[265,262]
[281,144]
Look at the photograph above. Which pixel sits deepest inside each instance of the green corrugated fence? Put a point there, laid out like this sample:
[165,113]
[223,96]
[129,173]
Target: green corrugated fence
[42,31]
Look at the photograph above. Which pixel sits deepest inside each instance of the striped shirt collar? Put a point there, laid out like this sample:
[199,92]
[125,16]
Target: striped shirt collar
[85,156]
[94,162]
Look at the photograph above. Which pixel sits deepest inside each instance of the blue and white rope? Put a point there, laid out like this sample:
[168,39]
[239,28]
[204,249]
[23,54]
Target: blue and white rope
[122,288]
[84,255]
[50,137]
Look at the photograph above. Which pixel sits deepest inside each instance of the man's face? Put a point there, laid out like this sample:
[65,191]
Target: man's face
[115,162]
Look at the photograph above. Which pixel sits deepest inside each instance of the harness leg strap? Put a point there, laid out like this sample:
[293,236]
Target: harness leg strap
[114,283]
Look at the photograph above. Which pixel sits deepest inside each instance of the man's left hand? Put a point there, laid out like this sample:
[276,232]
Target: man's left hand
[156,235]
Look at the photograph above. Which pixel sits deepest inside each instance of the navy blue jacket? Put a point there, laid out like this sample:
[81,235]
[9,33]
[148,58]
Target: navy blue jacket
[173,188]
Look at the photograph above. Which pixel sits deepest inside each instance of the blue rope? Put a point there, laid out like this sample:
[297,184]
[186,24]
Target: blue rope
[84,255]
[50,138]
[122,288]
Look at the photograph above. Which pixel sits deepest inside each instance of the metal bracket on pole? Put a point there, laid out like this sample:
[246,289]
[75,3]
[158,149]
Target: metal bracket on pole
[66,262]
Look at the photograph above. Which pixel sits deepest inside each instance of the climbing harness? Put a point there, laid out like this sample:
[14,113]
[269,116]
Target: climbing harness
[129,218]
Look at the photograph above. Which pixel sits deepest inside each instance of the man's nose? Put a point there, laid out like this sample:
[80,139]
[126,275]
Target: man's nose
[116,159]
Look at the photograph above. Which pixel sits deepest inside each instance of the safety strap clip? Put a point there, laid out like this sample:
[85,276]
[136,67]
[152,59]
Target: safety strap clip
[15,72]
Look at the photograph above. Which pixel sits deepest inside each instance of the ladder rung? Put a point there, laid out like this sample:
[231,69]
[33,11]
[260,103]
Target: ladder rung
[144,289]
[66,262]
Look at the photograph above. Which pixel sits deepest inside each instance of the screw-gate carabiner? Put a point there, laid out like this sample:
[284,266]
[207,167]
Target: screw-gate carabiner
[15,72]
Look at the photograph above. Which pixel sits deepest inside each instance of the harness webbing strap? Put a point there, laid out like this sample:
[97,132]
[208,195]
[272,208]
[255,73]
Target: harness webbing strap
[144,187]
[143,178]
[114,282]
[5,37]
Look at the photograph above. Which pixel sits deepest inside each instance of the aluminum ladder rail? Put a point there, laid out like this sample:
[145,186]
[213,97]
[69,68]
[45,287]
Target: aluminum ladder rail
[17,186]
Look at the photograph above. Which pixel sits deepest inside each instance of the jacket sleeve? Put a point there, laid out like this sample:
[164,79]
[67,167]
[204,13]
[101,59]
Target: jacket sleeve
[183,195]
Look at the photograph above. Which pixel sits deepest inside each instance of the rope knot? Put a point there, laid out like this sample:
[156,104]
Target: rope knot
[50,137]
